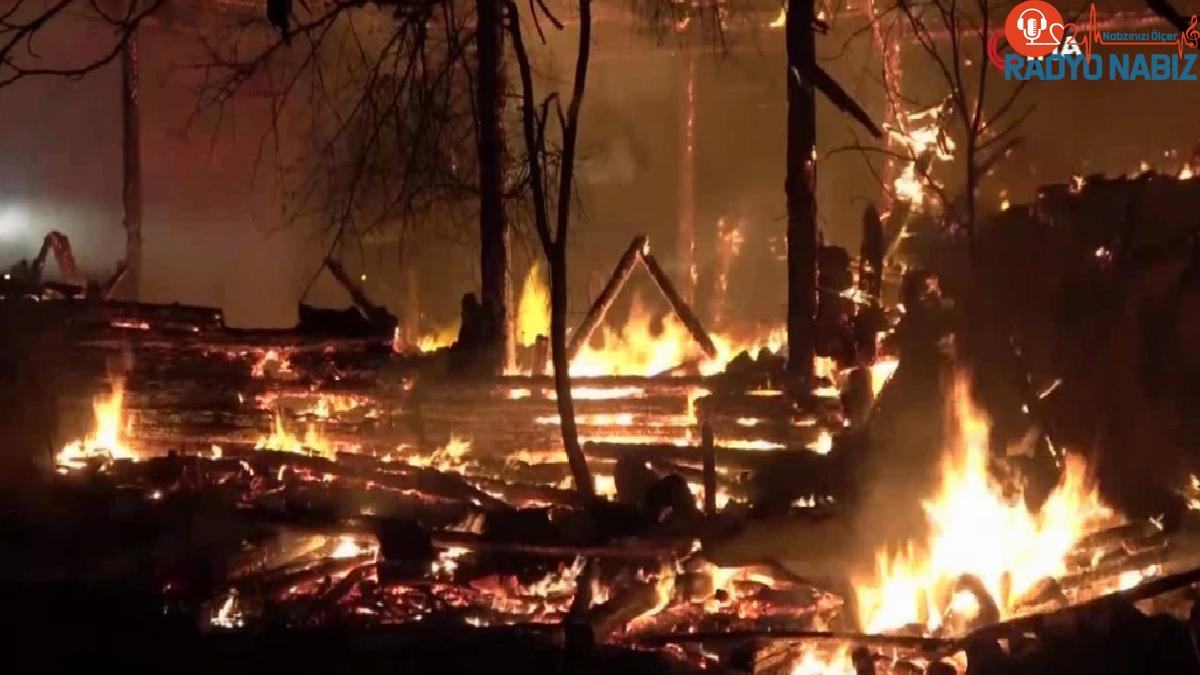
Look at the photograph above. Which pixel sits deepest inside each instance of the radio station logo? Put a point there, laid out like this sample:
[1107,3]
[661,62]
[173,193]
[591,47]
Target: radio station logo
[1034,28]
[1043,46]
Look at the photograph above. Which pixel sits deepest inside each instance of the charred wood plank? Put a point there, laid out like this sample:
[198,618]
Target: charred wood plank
[376,314]
[638,549]
[627,605]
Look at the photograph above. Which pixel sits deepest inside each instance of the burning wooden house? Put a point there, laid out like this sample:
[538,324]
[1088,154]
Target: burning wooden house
[966,450]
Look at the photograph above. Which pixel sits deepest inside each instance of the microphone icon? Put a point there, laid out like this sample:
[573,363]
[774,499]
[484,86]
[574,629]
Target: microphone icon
[1031,28]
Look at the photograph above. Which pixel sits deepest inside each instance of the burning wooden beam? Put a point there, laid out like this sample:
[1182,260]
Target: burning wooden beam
[682,309]
[607,296]
[639,251]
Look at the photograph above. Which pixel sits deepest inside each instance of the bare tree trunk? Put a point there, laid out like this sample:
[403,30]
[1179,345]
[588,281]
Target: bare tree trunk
[131,189]
[800,186]
[972,188]
[554,243]
[562,375]
[496,284]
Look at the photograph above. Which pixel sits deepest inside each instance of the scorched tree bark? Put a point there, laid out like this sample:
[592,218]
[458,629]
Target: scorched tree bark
[495,286]
[800,186]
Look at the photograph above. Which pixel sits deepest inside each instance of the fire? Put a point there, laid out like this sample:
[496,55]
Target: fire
[328,405]
[270,363]
[439,338]
[816,661]
[882,371]
[130,323]
[824,443]
[449,457]
[635,348]
[107,441]
[977,527]
[641,348]
[283,440]
[780,19]
[533,310]
[920,134]
[351,547]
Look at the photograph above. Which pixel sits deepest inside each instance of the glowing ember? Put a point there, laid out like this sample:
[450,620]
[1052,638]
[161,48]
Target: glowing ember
[1193,495]
[107,440]
[598,419]
[130,323]
[352,547]
[827,391]
[824,443]
[978,527]
[533,311]
[746,444]
[599,393]
[271,363]
[228,614]
[447,562]
[1130,578]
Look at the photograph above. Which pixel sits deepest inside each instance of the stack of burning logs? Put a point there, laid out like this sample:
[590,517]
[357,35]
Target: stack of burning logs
[297,541]
[298,478]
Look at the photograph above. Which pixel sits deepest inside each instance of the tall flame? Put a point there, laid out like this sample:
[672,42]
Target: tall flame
[108,438]
[978,527]
[635,348]
[640,347]
[533,311]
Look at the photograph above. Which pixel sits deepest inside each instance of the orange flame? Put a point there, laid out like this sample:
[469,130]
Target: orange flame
[107,440]
[533,310]
[816,661]
[283,440]
[978,527]
[270,363]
